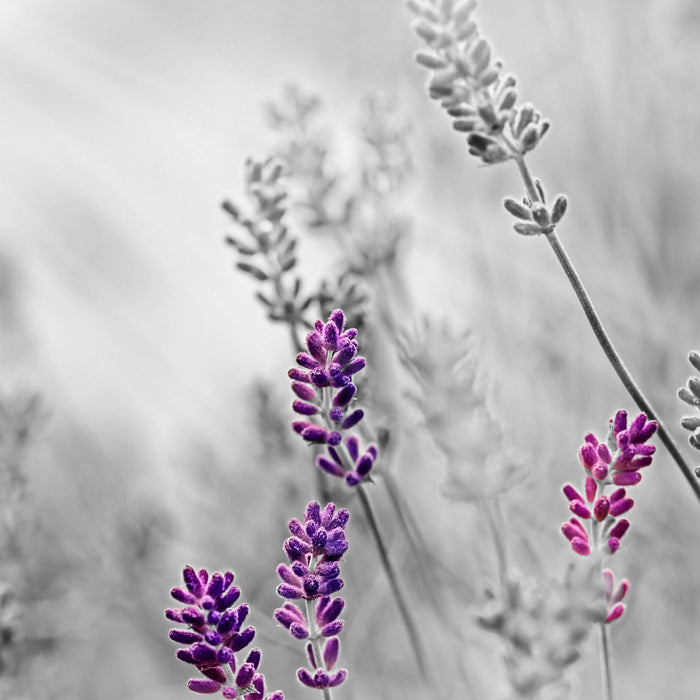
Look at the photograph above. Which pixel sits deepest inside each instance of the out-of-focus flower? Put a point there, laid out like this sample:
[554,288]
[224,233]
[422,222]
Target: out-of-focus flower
[267,249]
[468,82]
[448,387]
[214,636]
[544,624]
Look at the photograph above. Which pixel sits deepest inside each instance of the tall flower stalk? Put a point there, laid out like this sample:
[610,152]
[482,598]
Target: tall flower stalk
[596,527]
[312,576]
[325,391]
[482,101]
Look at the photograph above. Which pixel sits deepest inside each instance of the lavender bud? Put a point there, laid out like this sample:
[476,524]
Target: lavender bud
[517,209]
[559,209]
[694,359]
[353,419]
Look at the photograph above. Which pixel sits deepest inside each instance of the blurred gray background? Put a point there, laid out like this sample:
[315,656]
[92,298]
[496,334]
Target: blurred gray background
[122,127]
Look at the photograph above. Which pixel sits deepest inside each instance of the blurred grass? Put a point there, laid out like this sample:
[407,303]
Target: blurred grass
[125,123]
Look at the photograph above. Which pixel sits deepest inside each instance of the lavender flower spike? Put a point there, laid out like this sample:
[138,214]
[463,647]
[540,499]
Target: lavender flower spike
[617,462]
[314,550]
[324,390]
[214,636]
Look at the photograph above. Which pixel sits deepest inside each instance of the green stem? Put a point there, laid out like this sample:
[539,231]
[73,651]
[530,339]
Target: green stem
[606,662]
[604,339]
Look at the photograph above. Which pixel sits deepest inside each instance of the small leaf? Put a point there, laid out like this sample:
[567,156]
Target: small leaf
[694,385]
[694,359]
[508,100]
[430,60]
[464,125]
[512,206]
[231,209]
[528,229]
[690,422]
[559,208]
[540,215]
[253,270]
[684,394]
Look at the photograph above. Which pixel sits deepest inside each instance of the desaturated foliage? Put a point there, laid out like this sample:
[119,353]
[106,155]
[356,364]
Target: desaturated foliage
[365,423]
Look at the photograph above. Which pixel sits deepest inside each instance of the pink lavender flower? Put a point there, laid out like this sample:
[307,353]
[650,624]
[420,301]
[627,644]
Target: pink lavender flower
[313,575]
[214,636]
[325,391]
[617,461]
[630,451]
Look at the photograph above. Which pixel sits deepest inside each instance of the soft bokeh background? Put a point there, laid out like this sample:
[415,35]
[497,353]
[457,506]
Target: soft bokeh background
[124,124]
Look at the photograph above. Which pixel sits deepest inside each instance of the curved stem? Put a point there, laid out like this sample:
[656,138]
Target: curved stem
[604,339]
[414,637]
[606,662]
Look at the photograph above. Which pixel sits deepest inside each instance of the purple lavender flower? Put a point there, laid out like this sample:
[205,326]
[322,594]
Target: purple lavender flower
[321,679]
[313,575]
[214,636]
[618,462]
[325,391]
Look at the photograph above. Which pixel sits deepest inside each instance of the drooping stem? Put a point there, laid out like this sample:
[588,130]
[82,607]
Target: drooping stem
[606,662]
[399,597]
[604,339]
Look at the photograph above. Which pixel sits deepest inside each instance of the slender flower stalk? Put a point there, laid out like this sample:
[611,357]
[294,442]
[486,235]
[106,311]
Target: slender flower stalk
[596,526]
[325,392]
[313,575]
[468,82]
[606,662]
[602,336]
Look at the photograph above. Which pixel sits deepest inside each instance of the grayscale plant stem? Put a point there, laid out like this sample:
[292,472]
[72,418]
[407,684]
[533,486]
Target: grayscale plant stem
[604,339]
[606,662]
[316,641]
[382,550]
[491,513]
[413,635]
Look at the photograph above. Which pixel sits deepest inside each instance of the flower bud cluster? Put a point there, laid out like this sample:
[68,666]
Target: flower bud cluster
[468,82]
[324,389]
[535,217]
[313,575]
[617,462]
[214,636]
[596,523]
[268,251]
[544,623]
[690,394]
[614,595]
